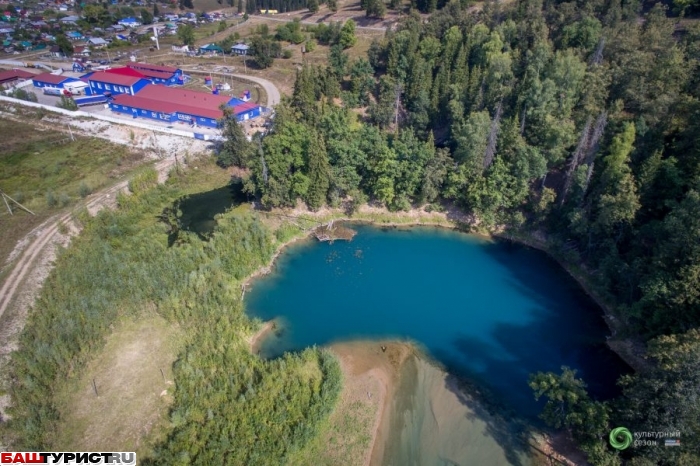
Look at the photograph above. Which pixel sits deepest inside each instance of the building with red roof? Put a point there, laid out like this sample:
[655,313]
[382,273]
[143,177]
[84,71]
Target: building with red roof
[9,78]
[159,74]
[102,82]
[126,71]
[184,105]
[51,80]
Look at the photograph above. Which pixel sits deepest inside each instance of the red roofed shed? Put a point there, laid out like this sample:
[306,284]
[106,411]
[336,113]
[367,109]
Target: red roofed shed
[8,77]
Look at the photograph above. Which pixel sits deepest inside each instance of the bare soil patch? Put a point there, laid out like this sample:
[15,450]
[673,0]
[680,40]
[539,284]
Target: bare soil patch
[133,394]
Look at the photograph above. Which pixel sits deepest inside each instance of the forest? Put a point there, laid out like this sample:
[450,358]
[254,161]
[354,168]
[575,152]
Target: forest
[576,122]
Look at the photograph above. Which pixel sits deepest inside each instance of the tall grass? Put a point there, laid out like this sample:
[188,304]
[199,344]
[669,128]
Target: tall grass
[229,405]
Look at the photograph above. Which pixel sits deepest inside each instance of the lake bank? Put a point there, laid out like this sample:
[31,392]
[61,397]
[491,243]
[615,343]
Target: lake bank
[454,219]
[345,263]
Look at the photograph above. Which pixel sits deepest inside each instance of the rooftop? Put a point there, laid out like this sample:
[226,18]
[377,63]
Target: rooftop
[202,100]
[148,66]
[126,71]
[9,75]
[113,78]
[50,78]
[153,105]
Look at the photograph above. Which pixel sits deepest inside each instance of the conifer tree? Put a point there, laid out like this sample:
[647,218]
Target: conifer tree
[319,171]
[236,149]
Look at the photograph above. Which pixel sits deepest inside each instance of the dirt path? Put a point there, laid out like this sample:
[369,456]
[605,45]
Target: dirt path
[52,226]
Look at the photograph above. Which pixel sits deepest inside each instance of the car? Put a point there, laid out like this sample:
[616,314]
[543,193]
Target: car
[103,62]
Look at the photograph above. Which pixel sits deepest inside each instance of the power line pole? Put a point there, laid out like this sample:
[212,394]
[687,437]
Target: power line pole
[5,197]
[155,142]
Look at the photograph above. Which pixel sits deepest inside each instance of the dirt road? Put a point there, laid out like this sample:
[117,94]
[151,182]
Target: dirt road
[52,226]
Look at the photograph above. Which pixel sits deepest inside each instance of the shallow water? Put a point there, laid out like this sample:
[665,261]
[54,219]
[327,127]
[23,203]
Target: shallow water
[491,312]
[434,423]
[198,210]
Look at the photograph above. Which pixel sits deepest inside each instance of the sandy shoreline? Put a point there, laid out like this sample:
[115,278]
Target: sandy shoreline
[373,373]
[256,339]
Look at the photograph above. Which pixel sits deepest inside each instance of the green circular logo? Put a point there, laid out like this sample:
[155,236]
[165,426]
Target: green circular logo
[620,438]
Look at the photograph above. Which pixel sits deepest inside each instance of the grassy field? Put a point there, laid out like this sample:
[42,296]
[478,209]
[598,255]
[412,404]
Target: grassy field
[46,171]
[133,395]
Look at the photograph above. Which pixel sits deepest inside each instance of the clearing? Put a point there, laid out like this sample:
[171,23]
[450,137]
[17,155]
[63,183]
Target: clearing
[127,375]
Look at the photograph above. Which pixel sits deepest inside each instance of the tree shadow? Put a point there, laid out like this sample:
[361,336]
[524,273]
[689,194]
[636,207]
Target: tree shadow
[197,212]
[490,374]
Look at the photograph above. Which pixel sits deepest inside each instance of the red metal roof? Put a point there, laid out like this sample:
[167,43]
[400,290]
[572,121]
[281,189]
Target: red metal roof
[9,75]
[153,105]
[112,78]
[155,74]
[244,107]
[50,78]
[126,71]
[187,97]
[150,67]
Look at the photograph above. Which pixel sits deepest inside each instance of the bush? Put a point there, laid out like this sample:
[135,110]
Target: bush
[64,199]
[67,103]
[144,181]
[51,200]
[287,54]
[310,45]
[84,190]
[21,94]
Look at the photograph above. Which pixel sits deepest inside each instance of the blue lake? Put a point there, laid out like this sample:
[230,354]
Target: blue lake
[491,312]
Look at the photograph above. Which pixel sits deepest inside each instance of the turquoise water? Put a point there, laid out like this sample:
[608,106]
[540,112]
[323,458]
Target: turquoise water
[490,312]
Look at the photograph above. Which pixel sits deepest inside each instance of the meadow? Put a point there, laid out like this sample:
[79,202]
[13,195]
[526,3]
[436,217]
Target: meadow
[119,274]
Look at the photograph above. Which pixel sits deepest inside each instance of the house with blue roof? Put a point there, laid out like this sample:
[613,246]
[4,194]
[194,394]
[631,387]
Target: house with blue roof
[129,22]
[240,49]
[74,35]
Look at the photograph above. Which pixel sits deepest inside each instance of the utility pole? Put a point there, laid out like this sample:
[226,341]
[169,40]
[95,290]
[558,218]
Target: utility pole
[155,142]
[155,34]
[5,197]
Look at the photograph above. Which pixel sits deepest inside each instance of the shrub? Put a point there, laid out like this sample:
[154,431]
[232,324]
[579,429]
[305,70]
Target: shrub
[143,181]
[64,199]
[51,200]
[67,103]
[84,190]
[287,53]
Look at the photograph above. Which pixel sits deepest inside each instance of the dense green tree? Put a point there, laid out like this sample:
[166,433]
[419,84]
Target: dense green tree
[569,406]
[319,172]
[383,111]
[665,395]
[186,34]
[64,45]
[312,5]
[280,176]
[265,50]
[146,16]
[361,80]
[338,61]
[618,199]
[347,34]
[376,8]
[235,149]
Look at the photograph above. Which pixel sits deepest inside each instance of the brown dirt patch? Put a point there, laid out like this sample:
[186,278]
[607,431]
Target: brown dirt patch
[132,394]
